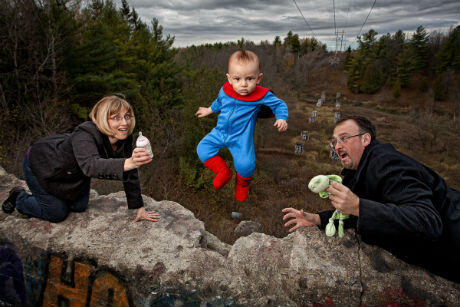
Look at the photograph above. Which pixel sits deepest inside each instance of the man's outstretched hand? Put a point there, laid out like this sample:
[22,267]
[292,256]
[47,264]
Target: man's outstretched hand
[300,218]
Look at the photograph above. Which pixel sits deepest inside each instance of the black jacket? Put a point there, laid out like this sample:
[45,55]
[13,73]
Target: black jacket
[405,207]
[65,163]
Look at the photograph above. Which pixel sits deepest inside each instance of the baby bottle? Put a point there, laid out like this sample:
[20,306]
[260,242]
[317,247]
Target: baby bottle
[143,142]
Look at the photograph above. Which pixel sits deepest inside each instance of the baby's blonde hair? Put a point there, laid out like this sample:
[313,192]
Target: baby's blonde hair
[244,56]
[108,106]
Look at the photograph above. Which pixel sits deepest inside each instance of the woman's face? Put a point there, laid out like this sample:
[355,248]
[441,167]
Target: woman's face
[119,125]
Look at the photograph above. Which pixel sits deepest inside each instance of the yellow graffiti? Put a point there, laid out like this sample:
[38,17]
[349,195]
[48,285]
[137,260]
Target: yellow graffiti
[101,285]
[104,288]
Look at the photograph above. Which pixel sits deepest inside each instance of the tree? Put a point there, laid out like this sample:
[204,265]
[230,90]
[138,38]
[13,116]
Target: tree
[421,49]
[35,36]
[94,64]
[305,46]
[125,10]
[372,78]
[367,43]
[295,44]
[355,73]
[364,73]
[314,44]
[440,88]
[395,47]
[405,66]
[449,56]
[287,39]
[347,61]
[396,89]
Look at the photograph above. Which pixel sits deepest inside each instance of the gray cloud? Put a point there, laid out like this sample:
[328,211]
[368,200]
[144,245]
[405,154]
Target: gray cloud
[208,21]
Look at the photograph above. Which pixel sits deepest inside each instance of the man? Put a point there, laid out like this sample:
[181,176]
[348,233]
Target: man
[394,201]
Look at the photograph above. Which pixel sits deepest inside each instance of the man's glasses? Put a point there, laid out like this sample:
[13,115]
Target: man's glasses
[118,119]
[343,139]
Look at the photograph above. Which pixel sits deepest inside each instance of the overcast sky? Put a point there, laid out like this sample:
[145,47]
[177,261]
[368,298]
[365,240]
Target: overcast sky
[208,21]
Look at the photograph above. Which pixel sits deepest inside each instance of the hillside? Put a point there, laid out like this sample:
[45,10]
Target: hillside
[414,124]
[49,87]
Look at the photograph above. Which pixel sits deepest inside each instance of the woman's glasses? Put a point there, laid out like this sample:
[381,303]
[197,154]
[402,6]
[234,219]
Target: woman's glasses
[118,119]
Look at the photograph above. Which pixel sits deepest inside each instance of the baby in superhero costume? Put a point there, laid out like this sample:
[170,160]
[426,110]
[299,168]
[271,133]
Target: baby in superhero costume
[238,102]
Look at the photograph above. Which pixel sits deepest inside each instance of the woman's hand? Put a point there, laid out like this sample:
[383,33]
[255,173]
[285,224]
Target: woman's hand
[300,218]
[138,158]
[202,112]
[151,216]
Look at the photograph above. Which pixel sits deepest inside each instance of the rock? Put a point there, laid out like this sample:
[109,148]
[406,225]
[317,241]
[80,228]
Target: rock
[245,228]
[236,215]
[99,257]
[213,243]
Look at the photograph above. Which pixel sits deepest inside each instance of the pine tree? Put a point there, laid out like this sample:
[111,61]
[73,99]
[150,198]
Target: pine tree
[372,78]
[295,44]
[314,44]
[421,49]
[125,10]
[449,56]
[397,89]
[355,73]
[305,46]
[358,65]
[287,39]
[367,44]
[405,66]
[93,65]
[395,47]
[347,61]
[440,88]
[120,54]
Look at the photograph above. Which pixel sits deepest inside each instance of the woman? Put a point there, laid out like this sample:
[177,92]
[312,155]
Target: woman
[58,168]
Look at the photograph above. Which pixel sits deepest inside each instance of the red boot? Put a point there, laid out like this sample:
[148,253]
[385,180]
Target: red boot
[241,187]
[218,166]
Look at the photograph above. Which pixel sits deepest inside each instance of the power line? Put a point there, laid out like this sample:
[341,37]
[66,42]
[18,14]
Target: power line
[366,18]
[346,24]
[335,26]
[304,18]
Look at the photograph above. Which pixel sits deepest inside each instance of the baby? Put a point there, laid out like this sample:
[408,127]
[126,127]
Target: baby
[238,102]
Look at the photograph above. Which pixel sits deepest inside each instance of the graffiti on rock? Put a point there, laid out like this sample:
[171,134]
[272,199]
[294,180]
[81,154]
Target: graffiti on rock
[87,286]
[46,226]
[12,285]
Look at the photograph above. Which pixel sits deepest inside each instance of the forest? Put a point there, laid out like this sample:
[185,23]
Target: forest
[59,57]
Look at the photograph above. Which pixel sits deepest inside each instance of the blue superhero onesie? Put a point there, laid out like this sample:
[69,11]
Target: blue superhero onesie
[236,123]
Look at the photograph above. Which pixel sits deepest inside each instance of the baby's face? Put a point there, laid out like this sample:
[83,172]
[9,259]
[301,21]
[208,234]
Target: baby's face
[243,77]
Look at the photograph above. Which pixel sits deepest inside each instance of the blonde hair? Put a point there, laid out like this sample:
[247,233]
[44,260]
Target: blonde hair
[108,106]
[244,56]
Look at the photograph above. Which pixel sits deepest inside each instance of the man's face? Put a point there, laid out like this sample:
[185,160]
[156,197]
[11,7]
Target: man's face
[350,150]
[244,77]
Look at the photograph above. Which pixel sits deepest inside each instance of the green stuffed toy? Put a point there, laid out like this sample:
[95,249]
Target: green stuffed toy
[319,184]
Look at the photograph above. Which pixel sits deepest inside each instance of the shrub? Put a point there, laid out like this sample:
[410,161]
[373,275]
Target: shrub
[397,89]
[440,87]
